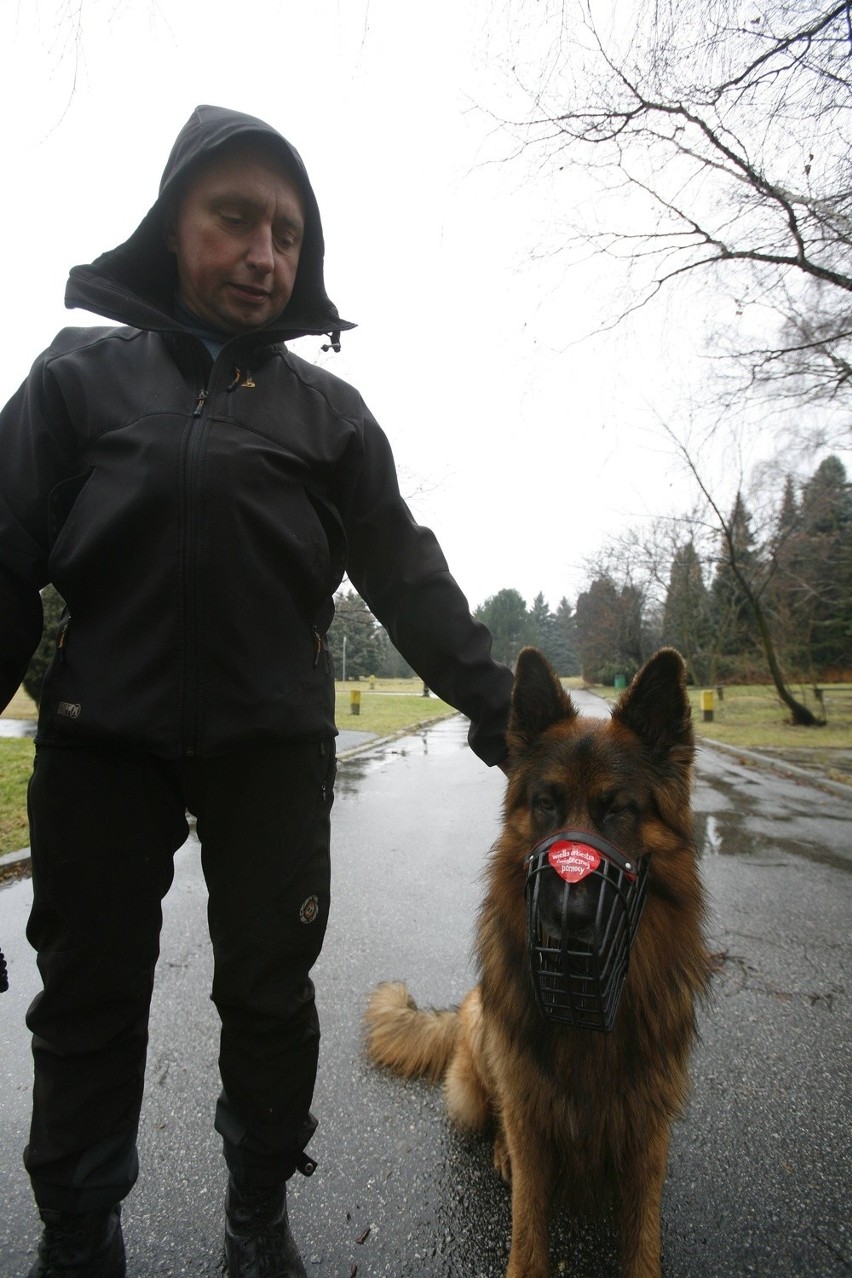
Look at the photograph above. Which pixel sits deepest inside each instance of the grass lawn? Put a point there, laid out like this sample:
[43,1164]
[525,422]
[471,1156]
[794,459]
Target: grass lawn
[749,717]
[16,764]
[390,706]
[752,716]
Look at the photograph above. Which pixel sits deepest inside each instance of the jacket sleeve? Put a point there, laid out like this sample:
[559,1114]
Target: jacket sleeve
[21,610]
[399,569]
[33,458]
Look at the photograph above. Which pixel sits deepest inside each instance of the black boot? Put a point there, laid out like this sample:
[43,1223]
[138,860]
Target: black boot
[258,1242]
[89,1246]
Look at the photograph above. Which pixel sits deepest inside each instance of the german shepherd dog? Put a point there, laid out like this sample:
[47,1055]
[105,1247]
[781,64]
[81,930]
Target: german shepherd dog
[585,1111]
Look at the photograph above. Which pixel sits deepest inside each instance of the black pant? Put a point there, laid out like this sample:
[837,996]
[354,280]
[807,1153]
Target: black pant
[105,824]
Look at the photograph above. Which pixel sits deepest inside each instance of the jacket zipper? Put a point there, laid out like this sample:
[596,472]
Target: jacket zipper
[328,751]
[192,674]
[193,441]
[192,677]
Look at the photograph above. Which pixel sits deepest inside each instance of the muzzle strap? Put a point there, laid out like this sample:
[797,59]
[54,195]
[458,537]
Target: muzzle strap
[596,841]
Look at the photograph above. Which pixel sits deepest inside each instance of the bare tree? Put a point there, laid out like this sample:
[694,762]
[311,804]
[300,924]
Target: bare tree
[666,561]
[752,578]
[721,134]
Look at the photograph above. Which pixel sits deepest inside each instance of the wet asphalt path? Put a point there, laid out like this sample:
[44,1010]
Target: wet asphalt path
[760,1170]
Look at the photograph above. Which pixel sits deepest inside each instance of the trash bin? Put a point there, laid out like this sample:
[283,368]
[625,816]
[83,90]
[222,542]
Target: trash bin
[355,701]
[619,682]
[707,705]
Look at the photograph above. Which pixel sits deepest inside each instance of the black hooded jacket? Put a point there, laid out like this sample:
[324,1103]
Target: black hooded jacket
[197,516]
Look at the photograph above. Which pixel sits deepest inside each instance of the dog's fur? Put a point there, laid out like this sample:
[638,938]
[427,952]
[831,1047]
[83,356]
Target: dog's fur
[586,1111]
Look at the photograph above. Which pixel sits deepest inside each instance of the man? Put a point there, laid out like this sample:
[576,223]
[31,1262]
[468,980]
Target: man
[196,492]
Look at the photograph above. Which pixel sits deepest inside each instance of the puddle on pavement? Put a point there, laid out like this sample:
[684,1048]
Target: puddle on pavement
[353,770]
[726,834]
[713,839]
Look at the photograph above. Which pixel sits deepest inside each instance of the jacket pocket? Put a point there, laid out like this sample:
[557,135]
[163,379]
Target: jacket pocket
[61,501]
[335,536]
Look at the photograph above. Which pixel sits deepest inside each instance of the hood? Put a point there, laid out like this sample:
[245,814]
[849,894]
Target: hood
[135,283]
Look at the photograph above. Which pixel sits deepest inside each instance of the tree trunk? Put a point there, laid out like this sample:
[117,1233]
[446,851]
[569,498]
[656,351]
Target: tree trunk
[799,714]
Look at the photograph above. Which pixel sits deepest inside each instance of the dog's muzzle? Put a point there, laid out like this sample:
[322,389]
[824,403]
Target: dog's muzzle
[584,900]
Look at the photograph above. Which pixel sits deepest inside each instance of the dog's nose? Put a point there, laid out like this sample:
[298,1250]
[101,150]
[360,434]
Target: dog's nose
[566,908]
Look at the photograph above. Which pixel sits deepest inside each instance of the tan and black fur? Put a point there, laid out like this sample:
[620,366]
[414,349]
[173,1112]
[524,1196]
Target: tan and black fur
[588,1112]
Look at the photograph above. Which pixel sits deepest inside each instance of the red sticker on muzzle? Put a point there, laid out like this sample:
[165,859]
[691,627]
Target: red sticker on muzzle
[573,861]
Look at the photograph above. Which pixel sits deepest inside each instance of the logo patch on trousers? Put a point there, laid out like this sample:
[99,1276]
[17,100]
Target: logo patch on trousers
[69,709]
[310,910]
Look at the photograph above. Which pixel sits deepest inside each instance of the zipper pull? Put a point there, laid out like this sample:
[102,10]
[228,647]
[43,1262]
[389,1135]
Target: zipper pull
[324,785]
[240,383]
[199,406]
[318,641]
[61,635]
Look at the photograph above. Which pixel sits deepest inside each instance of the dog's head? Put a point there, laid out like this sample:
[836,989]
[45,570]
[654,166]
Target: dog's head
[625,778]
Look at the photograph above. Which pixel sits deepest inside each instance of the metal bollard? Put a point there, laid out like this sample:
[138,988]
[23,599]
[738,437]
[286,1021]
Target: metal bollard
[355,701]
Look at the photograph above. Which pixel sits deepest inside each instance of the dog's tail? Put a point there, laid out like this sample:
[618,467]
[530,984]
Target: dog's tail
[412,1041]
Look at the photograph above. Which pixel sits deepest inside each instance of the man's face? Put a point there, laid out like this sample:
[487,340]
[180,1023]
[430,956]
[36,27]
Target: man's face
[236,235]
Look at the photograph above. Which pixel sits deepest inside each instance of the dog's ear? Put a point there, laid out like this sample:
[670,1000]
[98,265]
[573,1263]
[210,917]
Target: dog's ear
[538,700]
[656,706]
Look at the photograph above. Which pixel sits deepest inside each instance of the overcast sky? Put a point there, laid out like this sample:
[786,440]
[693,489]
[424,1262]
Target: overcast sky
[520,444]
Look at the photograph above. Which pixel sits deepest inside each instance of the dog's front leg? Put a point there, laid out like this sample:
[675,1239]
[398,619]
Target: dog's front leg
[641,1203]
[532,1191]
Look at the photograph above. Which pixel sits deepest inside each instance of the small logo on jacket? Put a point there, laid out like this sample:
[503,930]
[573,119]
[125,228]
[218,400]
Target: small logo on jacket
[310,909]
[69,709]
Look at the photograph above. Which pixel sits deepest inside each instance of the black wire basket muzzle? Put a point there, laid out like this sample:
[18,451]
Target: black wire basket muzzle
[584,900]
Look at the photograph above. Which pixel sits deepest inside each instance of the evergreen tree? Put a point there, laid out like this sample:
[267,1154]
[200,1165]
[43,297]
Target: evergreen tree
[733,620]
[609,631]
[505,614]
[353,621]
[826,544]
[686,614]
[811,592]
[554,634]
[391,662]
[741,585]
[788,515]
[786,596]
[564,627]
[539,617]
[631,602]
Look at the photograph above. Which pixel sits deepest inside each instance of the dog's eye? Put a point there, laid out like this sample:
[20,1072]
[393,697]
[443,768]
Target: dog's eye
[622,811]
[545,804]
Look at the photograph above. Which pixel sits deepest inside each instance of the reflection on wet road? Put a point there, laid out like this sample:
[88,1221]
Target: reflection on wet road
[741,810]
